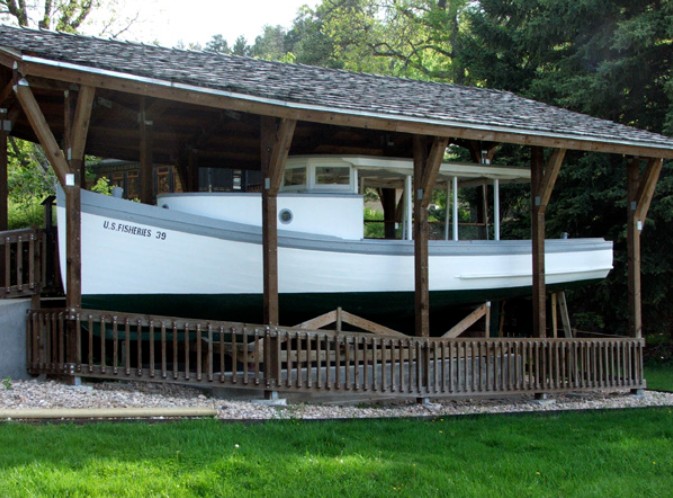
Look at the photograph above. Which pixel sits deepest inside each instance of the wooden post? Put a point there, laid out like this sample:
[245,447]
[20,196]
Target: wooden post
[640,192]
[276,139]
[4,161]
[4,189]
[542,185]
[537,219]
[554,315]
[426,167]
[76,127]
[146,160]
[389,212]
[193,171]
[565,316]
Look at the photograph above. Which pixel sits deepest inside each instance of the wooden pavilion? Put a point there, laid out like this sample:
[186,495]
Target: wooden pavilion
[78,96]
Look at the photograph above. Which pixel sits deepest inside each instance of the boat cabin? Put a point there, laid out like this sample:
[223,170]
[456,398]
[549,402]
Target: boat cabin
[325,195]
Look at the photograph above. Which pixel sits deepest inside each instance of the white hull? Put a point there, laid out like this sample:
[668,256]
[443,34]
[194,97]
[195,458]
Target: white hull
[134,249]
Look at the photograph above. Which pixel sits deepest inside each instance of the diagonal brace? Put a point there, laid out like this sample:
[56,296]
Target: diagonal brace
[549,179]
[646,188]
[41,128]
[279,154]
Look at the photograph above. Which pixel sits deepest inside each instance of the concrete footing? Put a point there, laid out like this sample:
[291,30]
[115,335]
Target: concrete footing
[13,338]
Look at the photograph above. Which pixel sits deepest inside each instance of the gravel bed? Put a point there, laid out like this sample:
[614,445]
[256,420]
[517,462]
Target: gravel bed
[36,394]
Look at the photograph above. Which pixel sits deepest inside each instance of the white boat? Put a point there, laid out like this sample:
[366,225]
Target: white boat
[200,254]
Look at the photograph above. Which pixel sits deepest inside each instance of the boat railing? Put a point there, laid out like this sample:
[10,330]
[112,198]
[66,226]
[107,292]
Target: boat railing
[375,229]
[22,262]
[110,345]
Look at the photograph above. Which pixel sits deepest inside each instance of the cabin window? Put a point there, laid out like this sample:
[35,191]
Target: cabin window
[332,175]
[295,177]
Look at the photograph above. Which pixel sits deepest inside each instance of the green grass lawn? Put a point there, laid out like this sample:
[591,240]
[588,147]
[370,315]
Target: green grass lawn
[659,376]
[603,453]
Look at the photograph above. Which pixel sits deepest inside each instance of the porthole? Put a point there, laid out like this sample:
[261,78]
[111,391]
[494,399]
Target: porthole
[285,216]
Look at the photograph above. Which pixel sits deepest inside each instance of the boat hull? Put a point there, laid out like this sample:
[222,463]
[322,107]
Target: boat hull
[146,259]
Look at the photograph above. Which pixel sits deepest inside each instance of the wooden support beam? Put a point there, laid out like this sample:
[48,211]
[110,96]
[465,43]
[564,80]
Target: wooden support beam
[79,131]
[187,166]
[4,162]
[565,316]
[77,116]
[537,240]
[146,160]
[41,128]
[369,326]
[633,250]
[319,321]
[550,175]
[543,180]
[430,168]
[426,167]
[340,316]
[646,188]
[387,196]
[73,208]
[6,91]
[276,138]
[640,191]
[482,311]
[278,157]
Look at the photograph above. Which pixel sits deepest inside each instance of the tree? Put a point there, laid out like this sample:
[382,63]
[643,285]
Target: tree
[218,44]
[611,59]
[270,45]
[69,16]
[241,47]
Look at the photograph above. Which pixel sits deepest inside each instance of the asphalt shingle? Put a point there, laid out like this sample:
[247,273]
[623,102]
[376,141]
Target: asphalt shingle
[341,91]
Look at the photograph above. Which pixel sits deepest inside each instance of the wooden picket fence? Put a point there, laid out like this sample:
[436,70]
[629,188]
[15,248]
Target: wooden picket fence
[21,262]
[108,345]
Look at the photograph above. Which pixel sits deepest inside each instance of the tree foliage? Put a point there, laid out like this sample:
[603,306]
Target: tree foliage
[610,59]
[61,15]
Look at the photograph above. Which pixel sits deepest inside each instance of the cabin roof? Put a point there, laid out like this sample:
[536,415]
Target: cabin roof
[320,95]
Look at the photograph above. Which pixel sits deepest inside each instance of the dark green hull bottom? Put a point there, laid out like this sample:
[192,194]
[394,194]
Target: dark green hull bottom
[393,309]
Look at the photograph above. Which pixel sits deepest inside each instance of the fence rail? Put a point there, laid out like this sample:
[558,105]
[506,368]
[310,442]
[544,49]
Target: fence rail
[22,262]
[109,345]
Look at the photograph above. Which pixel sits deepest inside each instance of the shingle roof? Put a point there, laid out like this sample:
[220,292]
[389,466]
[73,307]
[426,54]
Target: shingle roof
[318,88]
